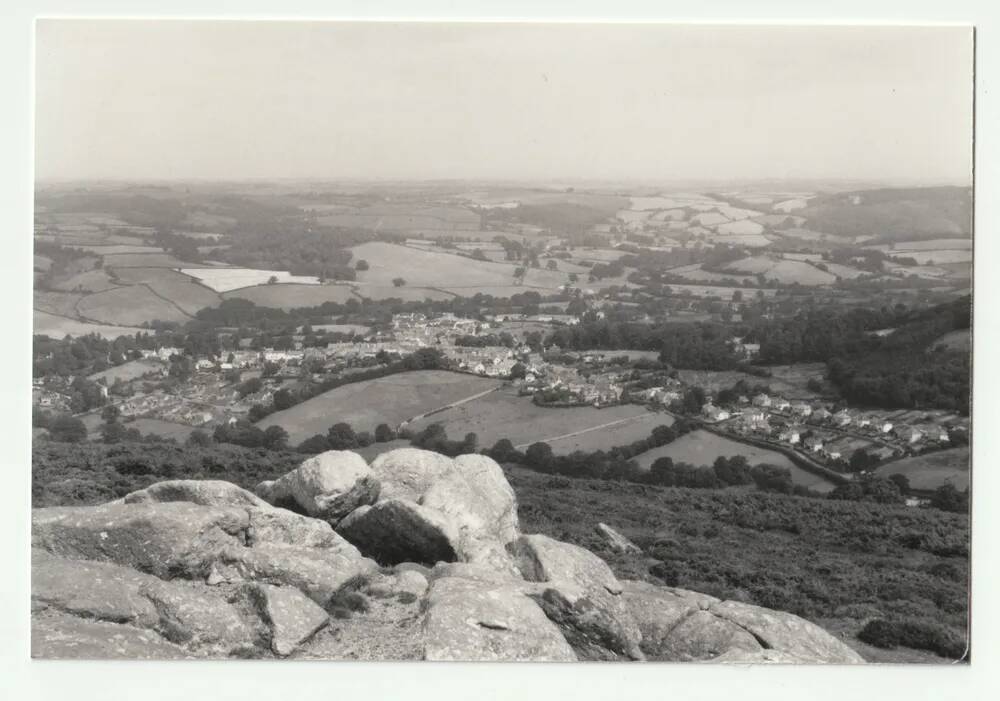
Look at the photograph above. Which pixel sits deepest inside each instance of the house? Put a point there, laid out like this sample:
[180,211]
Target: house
[842,418]
[909,434]
[204,364]
[714,413]
[833,455]
[761,400]
[885,427]
[801,409]
[779,404]
[821,414]
[790,435]
[813,444]
[863,421]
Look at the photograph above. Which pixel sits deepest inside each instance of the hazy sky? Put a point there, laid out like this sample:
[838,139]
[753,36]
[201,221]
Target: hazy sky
[168,99]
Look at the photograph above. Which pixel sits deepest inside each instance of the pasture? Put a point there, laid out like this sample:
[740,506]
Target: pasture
[131,370]
[960,339]
[503,414]
[788,381]
[180,289]
[159,427]
[290,296]
[390,400]
[702,448]
[129,306]
[86,281]
[423,268]
[144,260]
[405,293]
[930,471]
[60,303]
[59,326]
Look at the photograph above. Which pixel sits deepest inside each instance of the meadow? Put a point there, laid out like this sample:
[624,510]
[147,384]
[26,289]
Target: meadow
[289,296]
[131,370]
[228,279]
[503,414]
[126,306]
[59,326]
[930,471]
[180,289]
[703,447]
[364,405]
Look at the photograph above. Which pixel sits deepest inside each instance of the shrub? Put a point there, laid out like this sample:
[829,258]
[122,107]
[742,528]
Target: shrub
[914,633]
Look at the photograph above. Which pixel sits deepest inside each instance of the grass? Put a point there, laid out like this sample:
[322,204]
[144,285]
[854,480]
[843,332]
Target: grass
[364,405]
[289,296]
[86,281]
[58,326]
[503,414]
[177,287]
[61,303]
[702,448]
[131,370]
[932,470]
[131,305]
[227,279]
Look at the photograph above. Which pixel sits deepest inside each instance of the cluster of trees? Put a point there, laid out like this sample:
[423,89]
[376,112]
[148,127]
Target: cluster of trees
[502,339]
[724,472]
[302,248]
[244,433]
[435,438]
[180,246]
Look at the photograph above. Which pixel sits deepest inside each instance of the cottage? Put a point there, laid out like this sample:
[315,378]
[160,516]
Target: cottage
[801,409]
[779,404]
[821,414]
[714,413]
[790,435]
[762,400]
[842,417]
[814,444]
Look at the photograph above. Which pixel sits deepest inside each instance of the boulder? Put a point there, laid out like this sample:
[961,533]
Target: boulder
[327,486]
[61,636]
[786,633]
[762,656]
[703,636]
[98,590]
[406,473]
[616,541]
[199,619]
[406,583]
[203,492]
[399,530]
[166,539]
[282,527]
[291,617]
[580,594]
[467,621]
[658,609]
[318,572]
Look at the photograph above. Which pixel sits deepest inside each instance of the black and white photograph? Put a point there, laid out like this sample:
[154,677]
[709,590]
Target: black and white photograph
[447,341]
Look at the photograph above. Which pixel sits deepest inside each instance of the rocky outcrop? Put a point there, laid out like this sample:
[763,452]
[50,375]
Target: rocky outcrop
[615,540]
[190,568]
[582,595]
[466,620]
[328,486]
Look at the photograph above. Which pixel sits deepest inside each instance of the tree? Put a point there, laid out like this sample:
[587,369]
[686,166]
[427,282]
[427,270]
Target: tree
[518,371]
[251,386]
[275,438]
[362,264]
[67,429]
[273,280]
[503,451]
[384,433]
[110,414]
[283,399]
[113,432]
[469,444]
[662,471]
[342,437]
[398,282]
[551,264]
[948,498]
[901,481]
[315,444]
[573,277]
[539,456]
[199,438]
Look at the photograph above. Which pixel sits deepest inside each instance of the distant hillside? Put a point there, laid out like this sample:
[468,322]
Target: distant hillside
[903,214]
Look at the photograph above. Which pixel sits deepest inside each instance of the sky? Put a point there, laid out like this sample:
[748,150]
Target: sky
[159,99]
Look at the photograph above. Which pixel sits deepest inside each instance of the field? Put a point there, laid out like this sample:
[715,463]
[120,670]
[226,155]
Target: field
[227,279]
[42,263]
[702,448]
[503,414]
[932,470]
[784,271]
[59,326]
[405,293]
[60,303]
[144,260]
[936,256]
[158,427]
[288,296]
[87,281]
[180,289]
[129,371]
[364,405]
[129,306]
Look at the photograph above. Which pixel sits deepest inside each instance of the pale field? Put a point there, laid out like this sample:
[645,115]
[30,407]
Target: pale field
[742,227]
[131,370]
[61,303]
[927,245]
[937,256]
[228,279]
